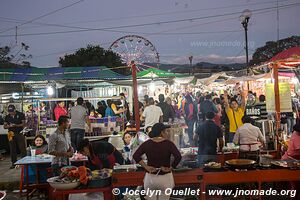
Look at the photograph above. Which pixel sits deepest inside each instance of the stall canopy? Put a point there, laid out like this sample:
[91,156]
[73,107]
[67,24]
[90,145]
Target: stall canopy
[34,74]
[157,73]
[211,79]
[288,57]
[285,59]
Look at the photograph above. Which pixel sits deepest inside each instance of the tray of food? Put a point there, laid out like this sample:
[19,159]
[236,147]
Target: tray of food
[286,164]
[213,165]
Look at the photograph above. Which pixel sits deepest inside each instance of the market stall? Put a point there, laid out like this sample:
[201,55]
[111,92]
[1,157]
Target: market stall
[101,127]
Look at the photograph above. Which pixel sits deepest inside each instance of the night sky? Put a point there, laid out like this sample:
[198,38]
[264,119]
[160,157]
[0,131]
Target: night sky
[209,30]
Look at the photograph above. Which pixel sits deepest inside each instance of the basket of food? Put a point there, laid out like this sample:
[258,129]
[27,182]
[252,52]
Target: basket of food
[213,165]
[70,178]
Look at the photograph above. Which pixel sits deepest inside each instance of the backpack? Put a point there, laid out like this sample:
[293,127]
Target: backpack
[195,110]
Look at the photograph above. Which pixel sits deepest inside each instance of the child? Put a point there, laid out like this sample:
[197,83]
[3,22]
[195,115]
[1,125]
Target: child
[127,137]
[40,145]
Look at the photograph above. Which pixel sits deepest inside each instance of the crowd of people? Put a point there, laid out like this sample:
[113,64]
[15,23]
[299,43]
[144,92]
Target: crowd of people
[226,110]
[209,119]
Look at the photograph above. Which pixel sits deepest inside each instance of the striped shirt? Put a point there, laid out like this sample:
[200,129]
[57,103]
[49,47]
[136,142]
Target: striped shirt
[263,110]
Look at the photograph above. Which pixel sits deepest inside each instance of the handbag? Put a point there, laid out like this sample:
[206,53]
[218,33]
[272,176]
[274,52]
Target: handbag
[234,119]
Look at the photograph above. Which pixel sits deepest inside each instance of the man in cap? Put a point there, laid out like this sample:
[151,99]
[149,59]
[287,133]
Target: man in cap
[15,123]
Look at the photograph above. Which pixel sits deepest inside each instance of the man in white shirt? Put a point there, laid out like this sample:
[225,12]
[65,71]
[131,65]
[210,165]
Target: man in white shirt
[152,114]
[249,138]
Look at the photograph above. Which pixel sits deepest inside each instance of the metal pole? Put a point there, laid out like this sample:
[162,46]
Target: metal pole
[191,64]
[247,54]
[135,96]
[245,25]
[22,85]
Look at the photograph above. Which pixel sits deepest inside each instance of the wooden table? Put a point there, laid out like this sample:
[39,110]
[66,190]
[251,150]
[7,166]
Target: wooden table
[254,176]
[202,179]
[130,179]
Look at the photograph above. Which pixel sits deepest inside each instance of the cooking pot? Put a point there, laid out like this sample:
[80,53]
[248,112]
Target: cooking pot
[240,163]
[265,160]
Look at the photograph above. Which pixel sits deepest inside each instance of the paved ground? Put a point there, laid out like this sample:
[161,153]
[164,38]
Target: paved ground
[10,178]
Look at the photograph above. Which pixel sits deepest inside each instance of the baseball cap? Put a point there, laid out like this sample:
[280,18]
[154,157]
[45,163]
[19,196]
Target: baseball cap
[158,128]
[130,123]
[11,108]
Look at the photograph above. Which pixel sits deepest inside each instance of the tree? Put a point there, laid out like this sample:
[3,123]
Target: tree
[14,56]
[93,56]
[272,48]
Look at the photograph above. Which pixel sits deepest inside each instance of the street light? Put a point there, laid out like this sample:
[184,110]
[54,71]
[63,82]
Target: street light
[191,63]
[244,18]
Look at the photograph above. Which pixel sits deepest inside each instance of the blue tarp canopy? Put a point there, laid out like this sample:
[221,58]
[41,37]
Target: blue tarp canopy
[34,74]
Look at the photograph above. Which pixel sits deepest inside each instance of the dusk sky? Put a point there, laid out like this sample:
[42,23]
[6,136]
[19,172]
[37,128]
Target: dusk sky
[209,30]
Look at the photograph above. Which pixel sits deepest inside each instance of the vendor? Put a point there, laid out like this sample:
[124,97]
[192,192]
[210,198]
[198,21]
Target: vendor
[249,138]
[101,109]
[101,154]
[118,108]
[159,168]
[44,110]
[31,120]
[293,151]
[60,145]
[108,111]
[60,110]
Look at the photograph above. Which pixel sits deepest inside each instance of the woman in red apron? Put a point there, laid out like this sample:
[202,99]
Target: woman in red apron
[249,138]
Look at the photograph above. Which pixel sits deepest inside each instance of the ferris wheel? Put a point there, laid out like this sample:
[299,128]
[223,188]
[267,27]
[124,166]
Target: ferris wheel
[135,48]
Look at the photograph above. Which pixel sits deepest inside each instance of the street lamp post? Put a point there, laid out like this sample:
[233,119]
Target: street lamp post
[191,63]
[244,18]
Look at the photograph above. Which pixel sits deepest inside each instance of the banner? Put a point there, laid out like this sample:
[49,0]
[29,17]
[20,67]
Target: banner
[284,96]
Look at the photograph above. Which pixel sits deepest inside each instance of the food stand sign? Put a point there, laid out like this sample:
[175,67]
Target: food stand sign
[253,111]
[284,94]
